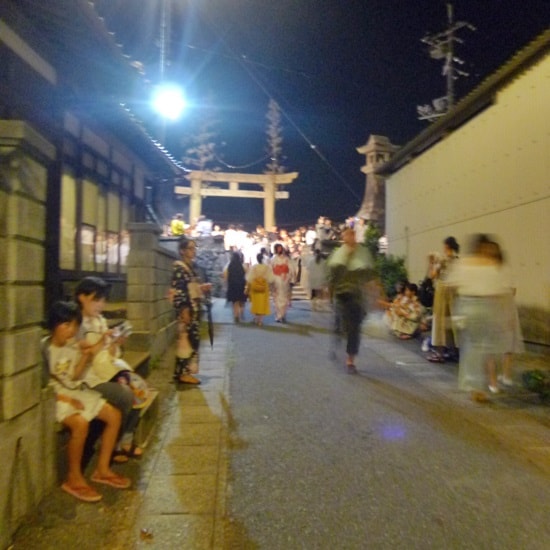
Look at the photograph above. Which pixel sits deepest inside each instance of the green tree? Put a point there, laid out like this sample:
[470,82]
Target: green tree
[372,236]
[390,269]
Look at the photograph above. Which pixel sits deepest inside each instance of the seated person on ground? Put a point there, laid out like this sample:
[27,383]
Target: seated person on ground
[407,314]
[390,305]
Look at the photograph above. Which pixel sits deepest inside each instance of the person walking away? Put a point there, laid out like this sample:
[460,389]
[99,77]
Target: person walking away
[259,278]
[350,268]
[317,279]
[280,265]
[186,294]
[513,334]
[234,275]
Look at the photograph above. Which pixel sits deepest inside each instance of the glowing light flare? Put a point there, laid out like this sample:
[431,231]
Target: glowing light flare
[169,101]
[393,432]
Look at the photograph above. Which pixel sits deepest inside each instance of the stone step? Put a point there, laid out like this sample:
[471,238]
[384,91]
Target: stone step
[299,293]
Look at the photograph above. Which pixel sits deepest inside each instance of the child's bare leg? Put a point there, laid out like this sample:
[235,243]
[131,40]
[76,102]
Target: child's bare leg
[103,473]
[507,367]
[78,427]
[111,416]
[492,372]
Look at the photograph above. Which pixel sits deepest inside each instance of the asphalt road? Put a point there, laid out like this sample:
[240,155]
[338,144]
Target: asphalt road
[323,459]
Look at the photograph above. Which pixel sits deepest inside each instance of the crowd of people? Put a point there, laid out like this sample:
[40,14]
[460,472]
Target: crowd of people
[437,311]
[465,304]
[432,311]
[263,269]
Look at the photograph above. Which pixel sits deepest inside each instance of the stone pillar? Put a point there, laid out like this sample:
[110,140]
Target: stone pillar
[27,412]
[195,201]
[148,281]
[269,204]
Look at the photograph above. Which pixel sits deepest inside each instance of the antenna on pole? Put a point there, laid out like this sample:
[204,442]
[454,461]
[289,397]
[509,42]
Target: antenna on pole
[441,46]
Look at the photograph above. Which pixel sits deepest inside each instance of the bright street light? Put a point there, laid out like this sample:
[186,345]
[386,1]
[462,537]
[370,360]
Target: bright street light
[168,101]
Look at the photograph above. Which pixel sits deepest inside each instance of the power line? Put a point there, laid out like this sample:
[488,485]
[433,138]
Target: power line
[264,89]
[244,58]
[240,167]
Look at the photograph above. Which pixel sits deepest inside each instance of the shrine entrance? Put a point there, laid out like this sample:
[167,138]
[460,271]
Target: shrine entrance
[268,182]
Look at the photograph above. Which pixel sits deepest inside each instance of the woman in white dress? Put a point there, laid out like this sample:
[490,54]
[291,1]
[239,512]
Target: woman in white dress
[281,267]
[483,315]
[317,278]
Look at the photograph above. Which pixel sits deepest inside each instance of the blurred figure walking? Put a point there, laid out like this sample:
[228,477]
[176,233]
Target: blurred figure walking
[350,268]
[282,271]
[234,275]
[484,316]
[259,278]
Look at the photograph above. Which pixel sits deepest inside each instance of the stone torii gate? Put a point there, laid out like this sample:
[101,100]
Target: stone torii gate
[268,183]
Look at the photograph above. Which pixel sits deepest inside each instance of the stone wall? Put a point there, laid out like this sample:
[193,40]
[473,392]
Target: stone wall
[211,258]
[535,325]
[148,281]
[27,411]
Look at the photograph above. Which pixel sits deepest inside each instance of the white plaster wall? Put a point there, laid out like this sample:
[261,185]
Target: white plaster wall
[490,175]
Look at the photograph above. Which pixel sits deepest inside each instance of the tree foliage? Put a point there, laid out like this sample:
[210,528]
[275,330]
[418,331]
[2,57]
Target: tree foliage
[274,139]
[201,145]
[390,269]
[372,236]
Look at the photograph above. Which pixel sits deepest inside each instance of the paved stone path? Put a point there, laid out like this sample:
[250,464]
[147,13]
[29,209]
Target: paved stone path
[393,458]
[180,485]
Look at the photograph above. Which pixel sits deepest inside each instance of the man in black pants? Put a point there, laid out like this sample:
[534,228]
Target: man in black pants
[350,267]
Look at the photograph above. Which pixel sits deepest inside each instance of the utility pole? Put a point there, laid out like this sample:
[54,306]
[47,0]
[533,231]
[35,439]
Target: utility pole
[441,46]
[165,24]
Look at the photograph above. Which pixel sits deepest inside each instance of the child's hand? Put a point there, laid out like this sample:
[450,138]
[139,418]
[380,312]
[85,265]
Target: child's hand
[77,404]
[86,348]
[185,316]
[120,340]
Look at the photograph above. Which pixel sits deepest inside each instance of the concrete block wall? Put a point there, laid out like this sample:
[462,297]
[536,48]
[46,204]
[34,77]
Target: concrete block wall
[27,411]
[149,272]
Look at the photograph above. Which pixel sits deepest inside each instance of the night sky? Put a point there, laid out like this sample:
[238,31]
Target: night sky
[340,70]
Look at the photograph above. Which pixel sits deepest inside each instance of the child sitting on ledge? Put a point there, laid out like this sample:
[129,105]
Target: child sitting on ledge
[108,373]
[76,405]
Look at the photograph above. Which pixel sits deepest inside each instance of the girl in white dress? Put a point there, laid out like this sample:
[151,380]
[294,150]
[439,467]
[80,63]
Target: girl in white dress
[76,405]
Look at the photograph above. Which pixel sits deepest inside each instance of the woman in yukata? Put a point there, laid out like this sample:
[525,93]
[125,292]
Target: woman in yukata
[282,273]
[187,293]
